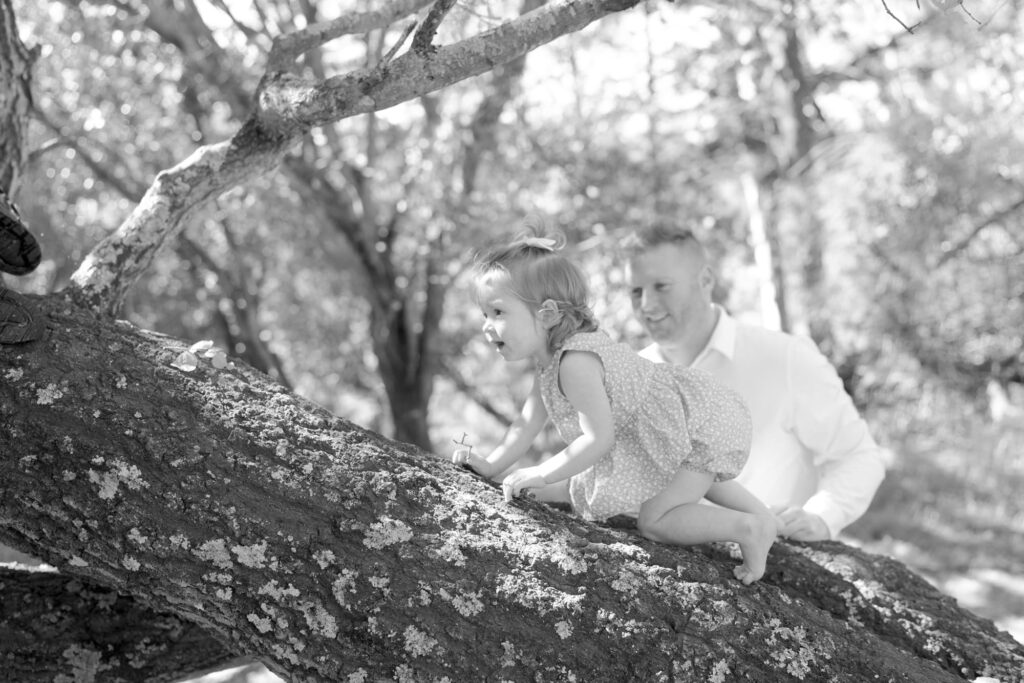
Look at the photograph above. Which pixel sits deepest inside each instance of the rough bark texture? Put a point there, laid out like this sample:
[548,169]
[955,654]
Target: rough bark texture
[330,552]
[15,99]
[61,628]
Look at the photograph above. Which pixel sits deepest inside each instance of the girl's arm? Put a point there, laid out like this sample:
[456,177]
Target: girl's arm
[516,441]
[581,377]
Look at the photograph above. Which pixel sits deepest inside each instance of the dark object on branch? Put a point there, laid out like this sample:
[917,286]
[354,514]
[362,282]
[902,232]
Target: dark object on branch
[19,250]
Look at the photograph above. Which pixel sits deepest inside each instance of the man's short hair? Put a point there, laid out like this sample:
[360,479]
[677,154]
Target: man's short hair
[654,235]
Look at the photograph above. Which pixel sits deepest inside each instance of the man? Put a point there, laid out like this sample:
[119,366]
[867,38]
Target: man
[19,254]
[812,461]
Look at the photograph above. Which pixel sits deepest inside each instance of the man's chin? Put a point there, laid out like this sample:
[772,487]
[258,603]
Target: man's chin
[660,333]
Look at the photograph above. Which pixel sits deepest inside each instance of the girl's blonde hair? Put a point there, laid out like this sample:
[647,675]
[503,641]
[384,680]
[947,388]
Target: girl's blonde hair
[535,273]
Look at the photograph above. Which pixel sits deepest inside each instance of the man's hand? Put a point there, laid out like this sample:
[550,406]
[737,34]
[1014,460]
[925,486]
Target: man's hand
[801,525]
[520,480]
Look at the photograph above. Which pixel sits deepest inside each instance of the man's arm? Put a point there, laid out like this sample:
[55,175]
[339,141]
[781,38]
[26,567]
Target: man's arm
[849,464]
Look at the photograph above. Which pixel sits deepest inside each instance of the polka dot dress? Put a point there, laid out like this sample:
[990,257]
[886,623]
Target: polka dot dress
[666,418]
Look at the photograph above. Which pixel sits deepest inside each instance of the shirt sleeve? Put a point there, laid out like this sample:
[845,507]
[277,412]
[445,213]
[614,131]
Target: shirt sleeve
[822,416]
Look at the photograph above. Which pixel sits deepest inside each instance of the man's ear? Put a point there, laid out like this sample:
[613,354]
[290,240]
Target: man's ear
[548,313]
[707,281]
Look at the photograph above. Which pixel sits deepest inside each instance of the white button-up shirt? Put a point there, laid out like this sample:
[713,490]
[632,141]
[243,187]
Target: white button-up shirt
[811,448]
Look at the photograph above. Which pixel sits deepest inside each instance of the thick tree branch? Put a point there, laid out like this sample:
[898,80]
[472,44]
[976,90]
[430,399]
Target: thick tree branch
[331,552]
[110,270]
[411,74]
[422,42]
[55,624]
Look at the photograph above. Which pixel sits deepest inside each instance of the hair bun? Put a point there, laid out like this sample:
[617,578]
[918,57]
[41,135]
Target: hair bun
[540,243]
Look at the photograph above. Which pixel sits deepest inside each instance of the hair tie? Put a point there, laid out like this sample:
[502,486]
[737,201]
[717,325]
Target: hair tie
[540,243]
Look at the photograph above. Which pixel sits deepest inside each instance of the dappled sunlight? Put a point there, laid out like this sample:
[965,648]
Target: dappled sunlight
[951,510]
[990,593]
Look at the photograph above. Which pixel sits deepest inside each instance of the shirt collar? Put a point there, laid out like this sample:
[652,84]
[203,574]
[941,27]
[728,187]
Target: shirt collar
[723,337]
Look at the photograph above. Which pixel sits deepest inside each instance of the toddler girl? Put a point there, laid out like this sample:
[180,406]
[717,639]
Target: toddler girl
[644,439]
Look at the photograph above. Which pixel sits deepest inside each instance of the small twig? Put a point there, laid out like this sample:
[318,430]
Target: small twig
[968,13]
[462,441]
[899,21]
[401,40]
[997,217]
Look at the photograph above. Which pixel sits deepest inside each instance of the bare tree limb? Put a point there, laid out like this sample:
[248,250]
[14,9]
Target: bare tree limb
[288,107]
[423,42]
[287,48]
[908,29]
[997,217]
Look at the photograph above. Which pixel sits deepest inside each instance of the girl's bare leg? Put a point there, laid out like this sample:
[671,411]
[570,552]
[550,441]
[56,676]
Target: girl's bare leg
[676,516]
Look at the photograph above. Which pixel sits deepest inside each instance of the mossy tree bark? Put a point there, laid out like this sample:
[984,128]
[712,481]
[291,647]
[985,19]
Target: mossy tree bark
[330,552]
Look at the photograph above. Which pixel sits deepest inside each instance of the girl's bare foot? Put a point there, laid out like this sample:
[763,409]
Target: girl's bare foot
[758,538]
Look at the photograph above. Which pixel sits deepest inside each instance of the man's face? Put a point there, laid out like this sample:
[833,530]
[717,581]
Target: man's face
[670,289]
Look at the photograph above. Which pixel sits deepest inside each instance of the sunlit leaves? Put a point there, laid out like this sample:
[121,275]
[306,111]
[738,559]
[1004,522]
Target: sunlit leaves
[654,113]
[189,360]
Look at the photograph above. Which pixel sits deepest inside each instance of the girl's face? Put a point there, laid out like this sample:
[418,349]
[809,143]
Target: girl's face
[510,325]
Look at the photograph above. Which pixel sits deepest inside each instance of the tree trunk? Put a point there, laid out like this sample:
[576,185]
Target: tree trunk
[333,554]
[15,100]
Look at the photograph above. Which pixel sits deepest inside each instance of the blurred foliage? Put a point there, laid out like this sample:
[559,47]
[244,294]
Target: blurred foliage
[885,164]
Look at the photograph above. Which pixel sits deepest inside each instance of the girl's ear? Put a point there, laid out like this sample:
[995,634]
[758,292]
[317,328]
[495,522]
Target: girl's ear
[548,313]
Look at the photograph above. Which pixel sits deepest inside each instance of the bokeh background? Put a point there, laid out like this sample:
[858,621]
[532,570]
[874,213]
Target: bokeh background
[856,169]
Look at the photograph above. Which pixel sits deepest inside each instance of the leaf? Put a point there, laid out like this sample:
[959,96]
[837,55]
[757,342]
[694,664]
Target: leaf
[186,361]
[204,345]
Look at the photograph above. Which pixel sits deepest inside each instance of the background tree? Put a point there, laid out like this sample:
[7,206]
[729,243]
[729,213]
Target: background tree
[269,271]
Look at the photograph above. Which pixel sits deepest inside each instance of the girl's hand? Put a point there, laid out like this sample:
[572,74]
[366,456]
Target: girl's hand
[467,458]
[461,456]
[520,480]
